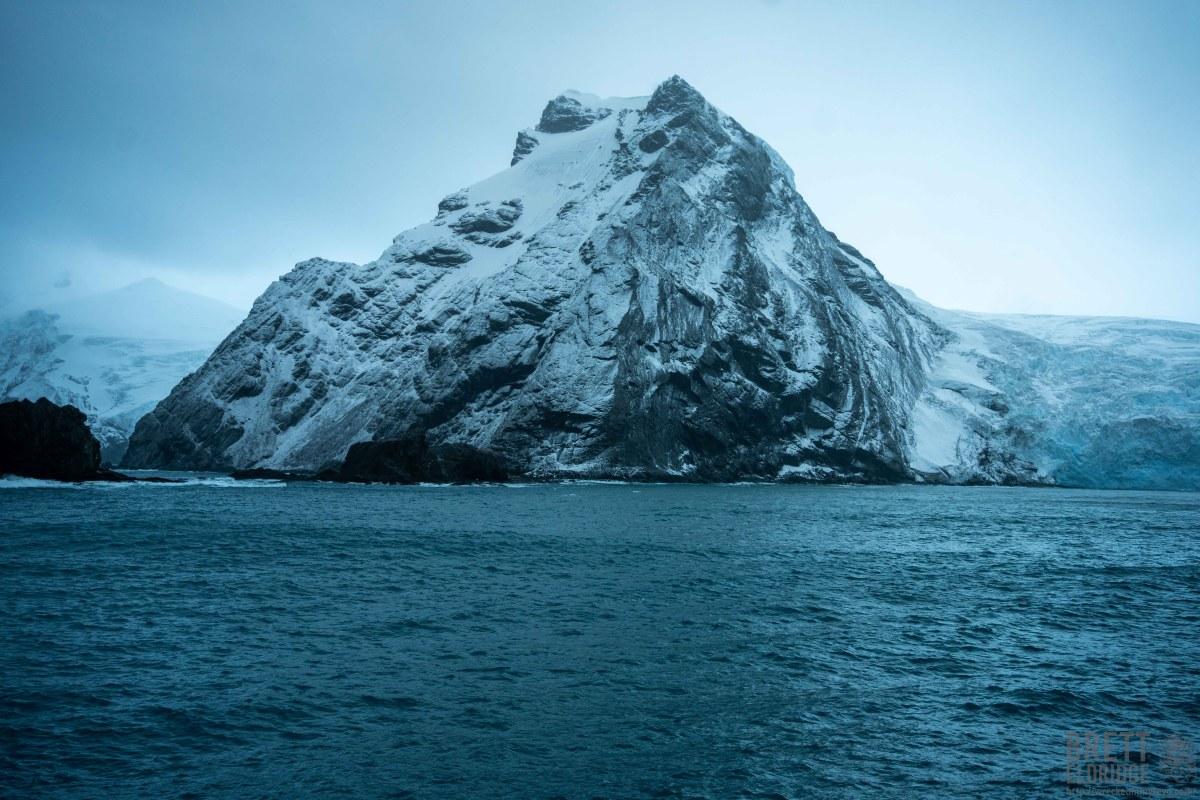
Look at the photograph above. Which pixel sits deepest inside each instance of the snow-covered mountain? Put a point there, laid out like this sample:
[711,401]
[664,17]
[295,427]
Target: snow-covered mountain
[112,355]
[643,293]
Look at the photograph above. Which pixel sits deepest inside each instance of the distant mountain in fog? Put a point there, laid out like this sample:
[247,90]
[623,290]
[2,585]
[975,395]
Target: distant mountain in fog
[113,355]
[149,309]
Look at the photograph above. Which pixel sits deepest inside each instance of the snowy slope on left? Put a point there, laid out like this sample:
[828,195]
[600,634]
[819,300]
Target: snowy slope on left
[112,355]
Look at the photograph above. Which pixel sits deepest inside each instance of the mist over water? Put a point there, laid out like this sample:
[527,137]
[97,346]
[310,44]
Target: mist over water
[585,640]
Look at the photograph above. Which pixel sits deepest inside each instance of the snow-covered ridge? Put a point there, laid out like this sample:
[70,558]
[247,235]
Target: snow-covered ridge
[644,294]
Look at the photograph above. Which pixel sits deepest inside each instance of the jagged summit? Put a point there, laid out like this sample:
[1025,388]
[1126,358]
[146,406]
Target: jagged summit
[641,294]
[573,111]
[673,96]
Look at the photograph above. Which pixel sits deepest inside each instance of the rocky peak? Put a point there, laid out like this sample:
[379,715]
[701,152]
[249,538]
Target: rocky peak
[673,96]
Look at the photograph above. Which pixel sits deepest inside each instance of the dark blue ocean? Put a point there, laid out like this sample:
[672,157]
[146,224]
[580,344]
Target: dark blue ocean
[587,641]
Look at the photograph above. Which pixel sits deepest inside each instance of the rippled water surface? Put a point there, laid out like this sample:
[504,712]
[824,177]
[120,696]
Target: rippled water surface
[585,640]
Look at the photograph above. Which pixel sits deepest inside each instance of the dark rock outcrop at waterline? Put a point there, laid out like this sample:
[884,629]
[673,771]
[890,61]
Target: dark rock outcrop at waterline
[43,440]
[413,460]
[264,474]
[407,460]
[40,439]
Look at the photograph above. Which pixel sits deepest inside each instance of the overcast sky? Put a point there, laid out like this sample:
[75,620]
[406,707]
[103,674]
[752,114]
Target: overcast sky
[998,156]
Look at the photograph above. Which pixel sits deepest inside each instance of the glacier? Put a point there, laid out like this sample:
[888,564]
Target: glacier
[1096,402]
[644,294]
[112,355]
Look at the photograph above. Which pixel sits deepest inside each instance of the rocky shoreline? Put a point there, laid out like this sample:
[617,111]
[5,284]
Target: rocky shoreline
[51,442]
[408,460]
[413,460]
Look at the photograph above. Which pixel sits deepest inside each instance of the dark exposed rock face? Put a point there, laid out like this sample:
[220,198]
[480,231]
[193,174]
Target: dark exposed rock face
[441,255]
[408,460]
[201,438]
[44,440]
[653,141]
[673,96]
[489,219]
[523,147]
[262,474]
[565,114]
[453,202]
[412,460]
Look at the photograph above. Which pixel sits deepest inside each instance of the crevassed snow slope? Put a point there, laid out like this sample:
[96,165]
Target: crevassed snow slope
[1080,401]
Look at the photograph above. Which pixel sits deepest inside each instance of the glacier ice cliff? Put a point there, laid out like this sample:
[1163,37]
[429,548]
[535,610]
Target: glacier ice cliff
[644,294]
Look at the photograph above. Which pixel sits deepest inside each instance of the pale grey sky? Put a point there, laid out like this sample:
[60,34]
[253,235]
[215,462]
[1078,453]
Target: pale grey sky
[998,156]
